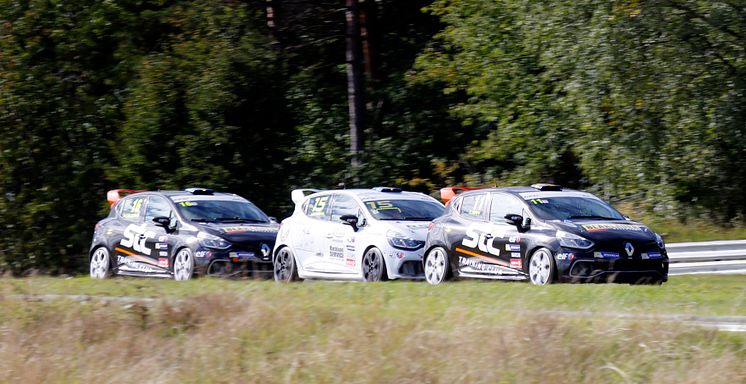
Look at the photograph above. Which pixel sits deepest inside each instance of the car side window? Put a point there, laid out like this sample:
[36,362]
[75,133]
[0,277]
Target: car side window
[131,208]
[502,205]
[474,206]
[157,206]
[318,207]
[343,205]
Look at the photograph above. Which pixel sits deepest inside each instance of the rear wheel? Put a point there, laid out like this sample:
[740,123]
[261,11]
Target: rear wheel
[183,265]
[374,268]
[100,263]
[437,267]
[284,266]
[541,270]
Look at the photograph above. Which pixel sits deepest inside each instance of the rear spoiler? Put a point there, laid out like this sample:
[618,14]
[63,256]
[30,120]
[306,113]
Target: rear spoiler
[298,195]
[117,194]
[448,193]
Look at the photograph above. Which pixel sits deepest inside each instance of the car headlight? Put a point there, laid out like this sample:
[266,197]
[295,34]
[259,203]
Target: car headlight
[573,241]
[400,241]
[659,241]
[211,241]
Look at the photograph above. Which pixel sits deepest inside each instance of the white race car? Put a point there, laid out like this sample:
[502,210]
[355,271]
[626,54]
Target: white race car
[354,234]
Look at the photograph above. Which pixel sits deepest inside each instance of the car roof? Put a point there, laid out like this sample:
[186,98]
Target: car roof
[531,193]
[178,196]
[366,194]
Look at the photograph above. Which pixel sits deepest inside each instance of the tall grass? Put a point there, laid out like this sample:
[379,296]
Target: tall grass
[270,338]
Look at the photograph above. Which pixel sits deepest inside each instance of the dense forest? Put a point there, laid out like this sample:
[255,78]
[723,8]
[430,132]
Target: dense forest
[631,99]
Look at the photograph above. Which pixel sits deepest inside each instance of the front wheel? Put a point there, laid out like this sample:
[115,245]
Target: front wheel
[374,268]
[100,263]
[284,266]
[183,265]
[541,270]
[437,267]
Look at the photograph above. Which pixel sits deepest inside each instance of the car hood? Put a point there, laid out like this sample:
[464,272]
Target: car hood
[603,230]
[416,230]
[239,233]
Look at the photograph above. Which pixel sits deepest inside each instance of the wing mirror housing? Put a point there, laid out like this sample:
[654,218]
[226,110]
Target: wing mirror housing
[350,220]
[162,221]
[522,223]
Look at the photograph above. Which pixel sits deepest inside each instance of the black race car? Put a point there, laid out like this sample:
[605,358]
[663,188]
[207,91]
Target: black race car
[182,233]
[543,233]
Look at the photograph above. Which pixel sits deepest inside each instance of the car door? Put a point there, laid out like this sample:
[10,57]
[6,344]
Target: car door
[506,237]
[339,252]
[131,250]
[160,243]
[473,234]
[310,234]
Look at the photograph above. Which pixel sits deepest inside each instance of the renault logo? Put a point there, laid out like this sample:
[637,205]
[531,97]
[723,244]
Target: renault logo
[629,248]
[265,250]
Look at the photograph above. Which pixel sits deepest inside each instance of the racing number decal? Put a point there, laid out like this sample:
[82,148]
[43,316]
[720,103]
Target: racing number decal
[135,237]
[382,206]
[319,205]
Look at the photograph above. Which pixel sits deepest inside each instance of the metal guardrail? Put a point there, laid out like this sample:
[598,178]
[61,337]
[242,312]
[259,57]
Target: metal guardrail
[707,257]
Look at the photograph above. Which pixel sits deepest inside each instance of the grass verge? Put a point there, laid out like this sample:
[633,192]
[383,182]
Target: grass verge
[237,331]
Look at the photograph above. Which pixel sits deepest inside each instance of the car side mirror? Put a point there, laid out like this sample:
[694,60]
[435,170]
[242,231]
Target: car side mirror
[514,219]
[350,220]
[273,219]
[163,221]
[522,223]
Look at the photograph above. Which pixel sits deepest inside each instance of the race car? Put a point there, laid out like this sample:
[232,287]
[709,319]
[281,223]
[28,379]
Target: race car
[181,234]
[354,234]
[544,234]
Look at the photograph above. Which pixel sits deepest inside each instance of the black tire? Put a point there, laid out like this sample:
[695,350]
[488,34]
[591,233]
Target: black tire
[437,266]
[541,269]
[183,265]
[100,264]
[373,266]
[284,268]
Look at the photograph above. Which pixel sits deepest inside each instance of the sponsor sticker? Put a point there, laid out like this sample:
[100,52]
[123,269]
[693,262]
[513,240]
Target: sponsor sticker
[162,239]
[479,240]
[163,262]
[514,239]
[651,255]
[242,255]
[335,252]
[161,246]
[611,226]
[350,262]
[565,256]
[162,253]
[515,254]
[606,255]
[513,247]
[516,263]
[203,254]
[248,228]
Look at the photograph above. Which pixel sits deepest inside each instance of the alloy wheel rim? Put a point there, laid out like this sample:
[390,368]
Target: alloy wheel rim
[435,267]
[182,266]
[99,264]
[282,267]
[539,268]
[371,265]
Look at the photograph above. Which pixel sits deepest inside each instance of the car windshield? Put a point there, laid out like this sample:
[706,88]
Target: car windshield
[221,211]
[411,210]
[573,208]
